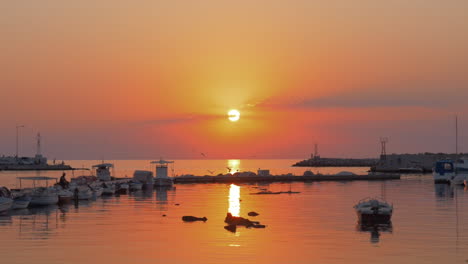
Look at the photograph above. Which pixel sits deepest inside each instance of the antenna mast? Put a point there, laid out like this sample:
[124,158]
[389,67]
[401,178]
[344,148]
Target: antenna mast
[383,142]
[38,144]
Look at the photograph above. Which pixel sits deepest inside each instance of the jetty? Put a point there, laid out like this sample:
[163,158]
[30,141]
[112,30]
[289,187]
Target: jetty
[336,162]
[284,178]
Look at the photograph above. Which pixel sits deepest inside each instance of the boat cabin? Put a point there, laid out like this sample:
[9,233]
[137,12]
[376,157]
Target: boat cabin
[444,166]
[161,168]
[103,171]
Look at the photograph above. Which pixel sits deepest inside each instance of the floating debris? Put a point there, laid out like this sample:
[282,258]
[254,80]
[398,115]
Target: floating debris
[252,214]
[231,228]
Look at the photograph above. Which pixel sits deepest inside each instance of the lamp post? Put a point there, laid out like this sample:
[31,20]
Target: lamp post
[17,132]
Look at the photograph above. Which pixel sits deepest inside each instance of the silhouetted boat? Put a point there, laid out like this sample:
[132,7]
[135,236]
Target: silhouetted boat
[373,210]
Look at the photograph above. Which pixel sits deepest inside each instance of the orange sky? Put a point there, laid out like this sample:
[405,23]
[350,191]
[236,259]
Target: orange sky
[156,78]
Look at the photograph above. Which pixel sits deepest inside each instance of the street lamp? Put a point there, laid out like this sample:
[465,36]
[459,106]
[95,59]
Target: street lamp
[17,132]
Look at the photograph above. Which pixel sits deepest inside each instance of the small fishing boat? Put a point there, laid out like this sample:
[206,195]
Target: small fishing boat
[373,210]
[449,171]
[20,199]
[44,196]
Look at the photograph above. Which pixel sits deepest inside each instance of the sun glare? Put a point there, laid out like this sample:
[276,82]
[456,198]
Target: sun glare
[233,115]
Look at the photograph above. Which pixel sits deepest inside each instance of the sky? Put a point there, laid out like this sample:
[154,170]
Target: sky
[108,79]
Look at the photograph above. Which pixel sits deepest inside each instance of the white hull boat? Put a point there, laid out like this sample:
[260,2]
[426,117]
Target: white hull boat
[451,172]
[373,210]
[43,196]
[5,204]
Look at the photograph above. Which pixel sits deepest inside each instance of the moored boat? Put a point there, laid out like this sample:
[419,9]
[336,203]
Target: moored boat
[43,196]
[5,204]
[444,171]
[108,188]
[373,210]
[453,172]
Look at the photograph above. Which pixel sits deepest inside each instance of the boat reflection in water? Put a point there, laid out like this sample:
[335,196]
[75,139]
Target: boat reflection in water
[375,230]
[443,190]
[162,196]
[40,222]
[234,200]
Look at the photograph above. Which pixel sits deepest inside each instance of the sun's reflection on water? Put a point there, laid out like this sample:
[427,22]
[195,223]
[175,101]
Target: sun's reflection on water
[233,166]
[234,200]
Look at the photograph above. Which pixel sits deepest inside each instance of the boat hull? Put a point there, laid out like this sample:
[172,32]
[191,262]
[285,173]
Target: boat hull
[21,204]
[44,200]
[373,218]
[5,204]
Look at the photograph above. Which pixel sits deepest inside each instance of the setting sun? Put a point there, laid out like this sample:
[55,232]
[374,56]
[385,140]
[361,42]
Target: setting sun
[233,115]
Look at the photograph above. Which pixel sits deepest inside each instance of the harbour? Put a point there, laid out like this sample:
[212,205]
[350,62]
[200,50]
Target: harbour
[125,223]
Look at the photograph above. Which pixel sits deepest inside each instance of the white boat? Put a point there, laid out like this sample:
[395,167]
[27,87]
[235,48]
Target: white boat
[20,199]
[41,195]
[451,172]
[5,204]
[162,179]
[373,210]
[443,171]
[44,196]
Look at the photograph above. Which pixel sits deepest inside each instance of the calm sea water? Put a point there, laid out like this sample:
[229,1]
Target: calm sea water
[318,225]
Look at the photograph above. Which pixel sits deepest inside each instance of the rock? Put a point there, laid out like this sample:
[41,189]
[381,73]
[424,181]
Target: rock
[252,214]
[236,220]
[259,226]
[189,218]
[231,228]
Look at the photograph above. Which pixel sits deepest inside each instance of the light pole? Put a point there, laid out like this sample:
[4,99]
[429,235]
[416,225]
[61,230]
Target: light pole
[17,132]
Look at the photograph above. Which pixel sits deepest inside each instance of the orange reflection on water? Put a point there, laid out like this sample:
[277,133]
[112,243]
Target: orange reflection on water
[233,166]
[234,200]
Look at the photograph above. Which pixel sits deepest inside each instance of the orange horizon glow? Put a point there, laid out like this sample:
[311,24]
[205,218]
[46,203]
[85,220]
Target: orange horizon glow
[161,85]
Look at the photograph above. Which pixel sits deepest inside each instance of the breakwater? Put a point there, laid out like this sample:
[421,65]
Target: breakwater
[283,178]
[30,167]
[336,162]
